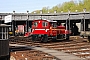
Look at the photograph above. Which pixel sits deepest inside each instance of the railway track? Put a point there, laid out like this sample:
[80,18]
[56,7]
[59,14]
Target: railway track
[21,53]
[76,46]
[24,53]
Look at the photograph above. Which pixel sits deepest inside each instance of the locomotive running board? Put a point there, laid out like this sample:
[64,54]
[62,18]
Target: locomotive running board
[61,39]
[49,37]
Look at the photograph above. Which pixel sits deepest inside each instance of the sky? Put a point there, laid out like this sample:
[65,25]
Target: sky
[21,6]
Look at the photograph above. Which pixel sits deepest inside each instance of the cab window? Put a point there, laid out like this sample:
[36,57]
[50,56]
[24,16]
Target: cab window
[35,24]
[44,24]
[54,25]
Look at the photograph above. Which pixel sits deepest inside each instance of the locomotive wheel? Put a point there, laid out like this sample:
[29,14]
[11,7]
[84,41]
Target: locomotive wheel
[54,39]
[45,39]
[67,36]
[34,38]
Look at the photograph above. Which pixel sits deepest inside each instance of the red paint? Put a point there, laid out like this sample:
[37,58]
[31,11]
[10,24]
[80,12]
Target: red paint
[39,29]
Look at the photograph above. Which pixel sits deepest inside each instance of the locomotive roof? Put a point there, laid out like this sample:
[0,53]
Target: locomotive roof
[53,21]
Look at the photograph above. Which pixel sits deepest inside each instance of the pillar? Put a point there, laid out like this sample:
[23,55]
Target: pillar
[4,42]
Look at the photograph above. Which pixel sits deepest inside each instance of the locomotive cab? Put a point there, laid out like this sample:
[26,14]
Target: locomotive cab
[58,32]
[53,24]
[40,30]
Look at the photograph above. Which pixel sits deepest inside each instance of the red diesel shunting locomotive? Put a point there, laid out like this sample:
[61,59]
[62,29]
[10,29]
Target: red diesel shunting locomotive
[43,30]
